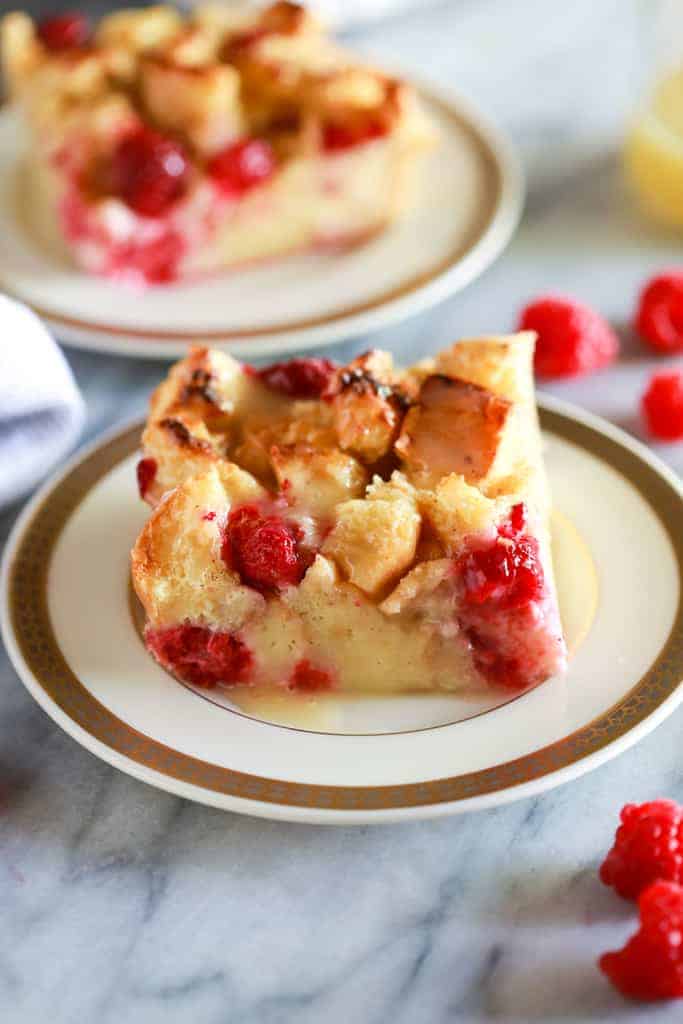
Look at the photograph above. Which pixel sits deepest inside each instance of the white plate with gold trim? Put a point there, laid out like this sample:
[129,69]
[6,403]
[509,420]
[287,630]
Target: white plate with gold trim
[469,206]
[72,636]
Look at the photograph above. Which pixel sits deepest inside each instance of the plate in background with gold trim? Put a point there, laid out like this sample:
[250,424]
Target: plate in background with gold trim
[469,205]
[69,630]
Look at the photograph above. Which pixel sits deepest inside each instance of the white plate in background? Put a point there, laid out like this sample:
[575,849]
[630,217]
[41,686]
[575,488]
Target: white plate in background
[469,205]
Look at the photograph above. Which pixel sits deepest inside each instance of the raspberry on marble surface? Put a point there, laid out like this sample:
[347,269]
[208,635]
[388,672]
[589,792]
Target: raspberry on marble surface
[572,338]
[650,966]
[648,847]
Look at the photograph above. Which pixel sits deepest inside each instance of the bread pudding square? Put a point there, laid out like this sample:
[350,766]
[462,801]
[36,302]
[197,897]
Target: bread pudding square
[163,147]
[359,528]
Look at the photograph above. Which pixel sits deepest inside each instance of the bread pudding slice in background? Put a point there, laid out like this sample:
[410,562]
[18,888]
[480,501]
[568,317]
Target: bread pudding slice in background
[162,147]
[352,528]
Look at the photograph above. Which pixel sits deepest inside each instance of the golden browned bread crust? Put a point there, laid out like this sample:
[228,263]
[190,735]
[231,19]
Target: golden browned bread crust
[396,465]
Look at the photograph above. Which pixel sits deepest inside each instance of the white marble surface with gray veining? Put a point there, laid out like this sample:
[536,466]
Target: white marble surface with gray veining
[122,905]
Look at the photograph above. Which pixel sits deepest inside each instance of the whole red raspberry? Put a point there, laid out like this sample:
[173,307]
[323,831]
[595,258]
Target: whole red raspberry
[148,171]
[201,656]
[262,549]
[64,31]
[659,317]
[242,165]
[572,337]
[299,378]
[648,846]
[662,406]
[650,966]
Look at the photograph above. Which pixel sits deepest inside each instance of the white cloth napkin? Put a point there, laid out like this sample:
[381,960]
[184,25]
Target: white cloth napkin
[41,409]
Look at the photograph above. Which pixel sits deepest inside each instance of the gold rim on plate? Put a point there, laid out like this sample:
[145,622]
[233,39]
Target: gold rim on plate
[35,638]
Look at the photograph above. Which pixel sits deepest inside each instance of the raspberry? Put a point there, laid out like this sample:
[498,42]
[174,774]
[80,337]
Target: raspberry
[242,165]
[306,678]
[507,573]
[337,137]
[64,31]
[572,337]
[662,406]
[148,171]
[201,656]
[659,317]
[648,846]
[299,378]
[146,472]
[262,548]
[650,966]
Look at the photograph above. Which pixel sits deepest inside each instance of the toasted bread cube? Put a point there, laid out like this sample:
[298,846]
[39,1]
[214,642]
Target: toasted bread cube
[318,479]
[81,79]
[456,510]
[202,103]
[502,364]
[193,47]
[181,447]
[211,379]
[178,571]
[307,427]
[190,423]
[374,539]
[138,31]
[307,423]
[125,36]
[367,408]
[456,427]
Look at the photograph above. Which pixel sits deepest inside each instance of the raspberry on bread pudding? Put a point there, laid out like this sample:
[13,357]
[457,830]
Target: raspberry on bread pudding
[352,528]
[163,147]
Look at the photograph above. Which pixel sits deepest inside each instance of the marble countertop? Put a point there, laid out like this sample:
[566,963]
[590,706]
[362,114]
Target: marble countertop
[122,904]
